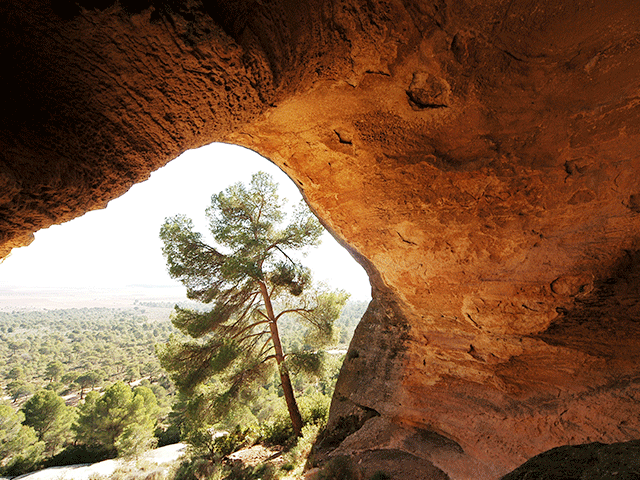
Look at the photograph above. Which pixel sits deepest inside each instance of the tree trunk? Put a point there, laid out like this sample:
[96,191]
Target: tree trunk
[292,405]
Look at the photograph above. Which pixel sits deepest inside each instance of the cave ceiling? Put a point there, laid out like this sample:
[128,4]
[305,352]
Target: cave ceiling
[479,158]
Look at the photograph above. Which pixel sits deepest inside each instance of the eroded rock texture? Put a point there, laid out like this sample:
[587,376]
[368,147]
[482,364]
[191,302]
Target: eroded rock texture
[478,157]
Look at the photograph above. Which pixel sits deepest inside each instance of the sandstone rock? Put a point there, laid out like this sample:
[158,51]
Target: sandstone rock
[429,91]
[572,285]
[499,230]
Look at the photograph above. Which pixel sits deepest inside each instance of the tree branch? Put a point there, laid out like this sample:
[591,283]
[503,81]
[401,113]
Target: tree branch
[210,249]
[294,310]
[283,253]
[262,350]
[249,327]
[270,357]
[258,334]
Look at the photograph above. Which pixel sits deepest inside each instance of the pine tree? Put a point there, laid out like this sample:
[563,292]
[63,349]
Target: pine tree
[20,449]
[115,419]
[54,371]
[251,278]
[88,380]
[47,413]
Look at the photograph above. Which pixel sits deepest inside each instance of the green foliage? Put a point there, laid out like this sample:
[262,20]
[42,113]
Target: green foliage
[193,363]
[55,370]
[96,344]
[77,454]
[198,468]
[264,471]
[339,468]
[134,440]
[16,373]
[315,408]
[20,449]
[235,440]
[89,380]
[88,339]
[215,446]
[310,363]
[18,389]
[132,374]
[245,276]
[297,339]
[277,430]
[148,411]
[294,278]
[47,413]
[116,419]
[296,458]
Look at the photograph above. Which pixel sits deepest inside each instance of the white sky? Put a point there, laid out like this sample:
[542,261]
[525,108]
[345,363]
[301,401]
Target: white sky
[119,247]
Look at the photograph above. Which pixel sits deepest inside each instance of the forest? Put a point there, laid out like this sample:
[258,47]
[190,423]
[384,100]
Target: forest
[81,385]
[251,358]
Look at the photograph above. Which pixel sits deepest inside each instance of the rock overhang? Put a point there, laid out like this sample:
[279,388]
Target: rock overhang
[479,159]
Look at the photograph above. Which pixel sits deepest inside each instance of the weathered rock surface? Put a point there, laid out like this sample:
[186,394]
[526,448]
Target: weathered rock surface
[480,158]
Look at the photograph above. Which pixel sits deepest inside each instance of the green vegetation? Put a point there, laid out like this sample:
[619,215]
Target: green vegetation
[45,353]
[50,417]
[69,350]
[46,432]
[339,468]
[254,362]
[20,449]
[121,420]
[252,278]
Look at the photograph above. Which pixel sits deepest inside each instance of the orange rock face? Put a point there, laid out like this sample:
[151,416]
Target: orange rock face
[479,158]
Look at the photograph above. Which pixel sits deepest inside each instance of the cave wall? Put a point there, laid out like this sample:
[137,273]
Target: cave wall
[479,158]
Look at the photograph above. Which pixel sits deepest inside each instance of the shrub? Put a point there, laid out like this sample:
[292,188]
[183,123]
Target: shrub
[197,469]
[234,441]
[135,440]
[278,430]
[265,471]
[216,446]
[315,408]
[296,458]
[168,436]
[339,468]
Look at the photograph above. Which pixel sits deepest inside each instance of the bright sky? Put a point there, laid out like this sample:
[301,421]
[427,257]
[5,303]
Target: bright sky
[119,247]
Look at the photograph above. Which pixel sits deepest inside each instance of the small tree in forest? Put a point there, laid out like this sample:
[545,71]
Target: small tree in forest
[48,415]
[117,419]
[18,389]
[20,449]
[88,380]
[16,373]
[54,371]
[251,277]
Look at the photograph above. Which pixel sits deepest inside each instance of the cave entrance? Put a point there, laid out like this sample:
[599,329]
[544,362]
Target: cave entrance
[116,251]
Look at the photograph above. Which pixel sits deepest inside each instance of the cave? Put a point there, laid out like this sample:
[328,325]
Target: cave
[479,158]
